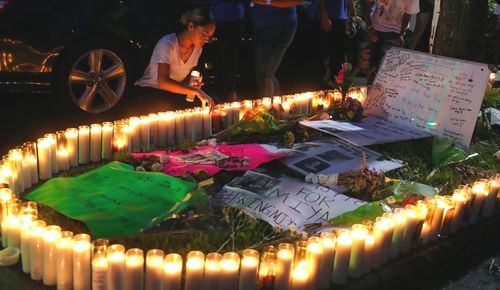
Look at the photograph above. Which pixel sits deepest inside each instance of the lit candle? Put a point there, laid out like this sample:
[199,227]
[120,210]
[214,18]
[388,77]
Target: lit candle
[5,175]
[386,253]
[195,263]
[116,267]
[44,161]
[107,140]
[491,199]
[83,145]
[163,122]
[286,253]
[52,139]
[134,269]
[6,195]
[51,237]
[314,252]
[449,213]
[230,265]
[235,110]
[424,235]
[153,129]
[100,264]
[81,262]
[189,130]
[380,228]
[179,127]
[63,159]
[36,233]
[145,132]
[248,272]
[27,222]
[27,167]
[135,126]
[342,256]
[12,226]
[369,248]
[212,271]
[198,124]
[227,115]
[493,77]
[356,261]
[172,271]
[30,155]
[480,192]
[154,269]
[400,220]
[301,273]
[247,106]
[268,265]
[72,146]
[95,142]
[266,102]
[64,260]
[16,165]
[286,105]
[437,218]
[328,244]
[207,122]
[410,227]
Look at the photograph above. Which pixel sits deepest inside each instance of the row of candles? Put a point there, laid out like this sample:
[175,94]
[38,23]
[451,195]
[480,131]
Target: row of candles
[55,152]
[75,262]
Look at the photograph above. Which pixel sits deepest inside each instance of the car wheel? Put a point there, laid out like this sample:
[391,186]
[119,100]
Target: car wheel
[94,79]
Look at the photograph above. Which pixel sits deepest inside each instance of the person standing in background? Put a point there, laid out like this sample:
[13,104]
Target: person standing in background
[420,37]
[274,25]
[229,17]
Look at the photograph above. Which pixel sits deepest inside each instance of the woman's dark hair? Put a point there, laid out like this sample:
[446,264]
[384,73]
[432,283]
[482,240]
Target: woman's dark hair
[199,16]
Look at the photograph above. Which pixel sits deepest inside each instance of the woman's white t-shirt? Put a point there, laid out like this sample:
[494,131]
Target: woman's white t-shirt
[167,51]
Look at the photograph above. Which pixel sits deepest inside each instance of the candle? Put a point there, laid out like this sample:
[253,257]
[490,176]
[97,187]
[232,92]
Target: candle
[100,264]
[235,110]
[247,106]
[400,220]
[172,271]
[27,166]
[424,235]
[356,261]
[36,233]
[81,262]
[212,271]
[369,248]
[95,142]
[16,165]
[27,221]
[154,269]
[286,105]
[116,267]
[145,132]
[437,218]
[342,256]
[301,273]
[380,227]
[198,123]
[491,198]
[64,260]
[44,161]
[83,145]
[30,155]
[449,213]
[266,102]
[217,119]
[195,263]
[286,253]
[248,272]
[6,195]
[135,127]
[230,265]
[5,175]
[267,270]
[207,122]
[163,124]
[189,129]
[480,192]
[314,252]
[126,140]
[72,146]
[387,217]
[51,237]
[134,269]
[63,159]
[52,140]
[153,129]
[107,140]
[179,127]
[328,244]
[12,226]
[410,227]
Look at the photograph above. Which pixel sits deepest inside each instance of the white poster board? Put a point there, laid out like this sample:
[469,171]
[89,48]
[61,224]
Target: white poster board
[436,94]
[285,202]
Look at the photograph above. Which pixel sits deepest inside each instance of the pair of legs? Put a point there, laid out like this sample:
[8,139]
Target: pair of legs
[385,41]
[336,46]
[271,44]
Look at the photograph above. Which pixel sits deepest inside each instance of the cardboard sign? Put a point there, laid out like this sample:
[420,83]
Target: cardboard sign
[435,94]
[285,202]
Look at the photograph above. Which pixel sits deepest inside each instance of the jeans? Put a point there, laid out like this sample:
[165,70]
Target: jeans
[385,41]
[271,44]
[336,46]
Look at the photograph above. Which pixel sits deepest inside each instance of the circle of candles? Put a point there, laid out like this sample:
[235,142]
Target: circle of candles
[342,255]
[145,132]
[212,271]
[230,265]
[72,146]
[116,267]
[248,272]
[314,252]
[135,127]
[328,243]
[268,265]
[64,260]
[154,269]
[99,264]
[51,237]
[134,269]
[356,262]
[81,262]
[36,232]
[286,254]
[83,144]
[52,140]
[95,142]
[172,272]
[195,263]
[107,140]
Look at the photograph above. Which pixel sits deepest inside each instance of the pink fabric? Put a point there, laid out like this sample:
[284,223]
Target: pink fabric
[256,155]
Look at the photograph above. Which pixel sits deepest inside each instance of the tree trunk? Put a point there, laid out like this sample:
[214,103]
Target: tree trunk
[460,31]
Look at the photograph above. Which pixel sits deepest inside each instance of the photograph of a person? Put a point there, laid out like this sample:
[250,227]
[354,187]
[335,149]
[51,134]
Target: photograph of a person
[256,183]
[312,165]
[333,155]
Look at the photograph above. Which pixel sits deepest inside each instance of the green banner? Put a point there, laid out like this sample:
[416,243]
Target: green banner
[115,200]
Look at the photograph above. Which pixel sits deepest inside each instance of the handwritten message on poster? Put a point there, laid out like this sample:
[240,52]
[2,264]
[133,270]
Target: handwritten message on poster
[435,94]
[285,202]
[115,200]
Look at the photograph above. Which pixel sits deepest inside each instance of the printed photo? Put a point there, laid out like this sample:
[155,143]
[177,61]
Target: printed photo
[257,183]
[312,165]
[333,155]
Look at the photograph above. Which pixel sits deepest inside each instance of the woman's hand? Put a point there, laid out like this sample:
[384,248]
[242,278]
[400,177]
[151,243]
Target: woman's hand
[204,98]
[372,34]
[198,85]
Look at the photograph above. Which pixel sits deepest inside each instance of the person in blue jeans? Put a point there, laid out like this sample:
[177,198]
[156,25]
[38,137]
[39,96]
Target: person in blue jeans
[274,25]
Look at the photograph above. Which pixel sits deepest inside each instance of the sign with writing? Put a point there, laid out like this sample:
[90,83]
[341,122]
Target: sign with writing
[435,94]
[114,200]
[368,131]
[285,202]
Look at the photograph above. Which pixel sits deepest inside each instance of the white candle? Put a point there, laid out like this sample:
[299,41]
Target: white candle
[153,129]
[81,262]
[107,140]
[36,233]
[63,159]
[266,102]
[410,227]
[64,260]
[100,264]
[5,175]
[189,129]
[300,277]
[400,220]
[51,237]
[230,265]
[228,113]
[479,191]
[163,123]
[437,218]
[380,228]
[72,146]
[212,276]
[170,128]
[134,269]
[179,127]
[116,267]
[145,133]
[44,161]
[27,168]
[207,122]
[284,270]
[268,266]
[195,263]
[460,199]
[198,123]
[328,244]
[83,145]
[388,236]
[356,261]
[491,198]
[52,139]
[314,252]
[248,272]
[369,248]
[235,108]
[27,223]
[95,142]
[154,269]
[247,106]
[16,165]
[424,234]
[30,157]
[342,256]
[135,126]
[172,271]
[6,195]
[13,226]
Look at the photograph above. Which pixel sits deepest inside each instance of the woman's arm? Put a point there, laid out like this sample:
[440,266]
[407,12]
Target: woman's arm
[280,3]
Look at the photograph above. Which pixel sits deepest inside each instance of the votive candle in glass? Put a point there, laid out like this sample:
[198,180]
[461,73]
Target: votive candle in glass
[172,271]
[153,129]
[16,165]
[27,221]
[286,254]
[95,142]
[82,264]
[154,268]
[12,225]
[52,140]
[342,256]
[100,264]
[410,227]
[180,135]
[211,280]
[44,159]
[72,146]
[230,265]
[301,274]
[356,261]
[31,159]
[51,238]
[116,267]
[400,220]
[314,253]
[83,144]
[64,260]
[63,159]
[195,264]
[145,132]
[248,272]
[480,192]
[36,234]
[107,140]
[328,241]
[268,267]
[135,127]
[491,198]
[134,269]
[207,122]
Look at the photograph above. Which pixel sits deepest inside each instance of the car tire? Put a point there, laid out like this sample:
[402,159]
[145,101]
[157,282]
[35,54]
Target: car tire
[92,75]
